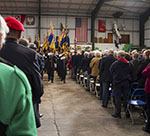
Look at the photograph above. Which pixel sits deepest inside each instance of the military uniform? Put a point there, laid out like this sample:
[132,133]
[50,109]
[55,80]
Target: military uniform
[50,66]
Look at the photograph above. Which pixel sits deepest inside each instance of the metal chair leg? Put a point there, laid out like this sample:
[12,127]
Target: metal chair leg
[130,112]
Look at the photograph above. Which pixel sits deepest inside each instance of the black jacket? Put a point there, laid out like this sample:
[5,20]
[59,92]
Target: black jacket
[85,64]
[105,63]
[120,71]
[50,64]
[25,59]
[134,64]
[140,78]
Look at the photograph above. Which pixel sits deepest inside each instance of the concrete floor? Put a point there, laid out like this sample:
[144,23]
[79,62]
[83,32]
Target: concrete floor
[71,111]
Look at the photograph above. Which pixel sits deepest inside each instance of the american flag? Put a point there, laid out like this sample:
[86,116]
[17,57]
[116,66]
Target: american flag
[81,30]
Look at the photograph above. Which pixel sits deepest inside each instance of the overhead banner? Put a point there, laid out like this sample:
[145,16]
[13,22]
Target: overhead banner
[101,26]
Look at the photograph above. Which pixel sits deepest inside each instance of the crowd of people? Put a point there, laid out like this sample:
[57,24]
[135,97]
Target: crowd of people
[22,69]
[118,70]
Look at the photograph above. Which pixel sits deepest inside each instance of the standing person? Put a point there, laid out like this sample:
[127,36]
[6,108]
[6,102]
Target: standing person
[25,59]
[85,64]
[16,110]
[134,64]
[140,78]
[146,73]
[105,76]
[50,66]
[74,63]
[104,54]
[63,67]
[94,65]
[120,71]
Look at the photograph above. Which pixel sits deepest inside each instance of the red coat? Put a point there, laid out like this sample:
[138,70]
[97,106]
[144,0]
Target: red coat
[146,73]
[69,63]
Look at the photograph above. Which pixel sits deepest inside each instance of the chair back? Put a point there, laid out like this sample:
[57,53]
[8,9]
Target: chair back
[138,92]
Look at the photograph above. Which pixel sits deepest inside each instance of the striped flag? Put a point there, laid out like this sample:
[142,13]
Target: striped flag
[81,30]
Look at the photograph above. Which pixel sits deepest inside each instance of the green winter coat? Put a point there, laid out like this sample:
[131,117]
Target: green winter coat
[16,108]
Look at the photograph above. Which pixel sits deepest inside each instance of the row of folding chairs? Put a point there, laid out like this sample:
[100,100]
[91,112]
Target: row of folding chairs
[88,83]
[136,97]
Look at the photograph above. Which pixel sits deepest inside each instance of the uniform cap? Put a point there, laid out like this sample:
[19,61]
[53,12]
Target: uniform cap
[14,24]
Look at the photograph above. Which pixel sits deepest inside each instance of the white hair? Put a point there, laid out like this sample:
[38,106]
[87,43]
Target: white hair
[86,53]
[3,30]
[97,53]
[105,52]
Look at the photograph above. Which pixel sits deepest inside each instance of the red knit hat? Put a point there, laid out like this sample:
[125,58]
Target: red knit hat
[14,24]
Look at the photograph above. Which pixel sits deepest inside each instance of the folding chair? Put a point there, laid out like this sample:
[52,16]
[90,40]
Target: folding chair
[77,77]
[81,78]
[85,78]
[97,87]
[136,100]
[133,86]
[92,84]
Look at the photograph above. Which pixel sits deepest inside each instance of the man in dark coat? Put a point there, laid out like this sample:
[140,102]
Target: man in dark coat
[73,63]
[50,66]
[84,60]
[120,71]
[63,67]
[140,78]
[134,64]
[105,76]
[25,59]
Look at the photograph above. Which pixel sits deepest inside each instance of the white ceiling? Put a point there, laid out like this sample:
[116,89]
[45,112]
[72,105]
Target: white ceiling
[130,8]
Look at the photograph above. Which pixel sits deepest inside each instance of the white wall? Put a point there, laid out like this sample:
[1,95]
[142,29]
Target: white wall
[56,20]
[131,28]
[107,46]
[147,33]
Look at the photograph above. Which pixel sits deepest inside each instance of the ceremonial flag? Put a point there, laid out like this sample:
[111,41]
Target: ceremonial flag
[61,40]
[57,43]
[51,38]
[37,43]
[81,30]
[65,42]
[45,46]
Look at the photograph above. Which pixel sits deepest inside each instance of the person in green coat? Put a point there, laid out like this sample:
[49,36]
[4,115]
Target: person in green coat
[16,108]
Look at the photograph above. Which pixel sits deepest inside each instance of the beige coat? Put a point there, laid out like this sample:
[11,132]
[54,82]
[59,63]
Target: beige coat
[94,66]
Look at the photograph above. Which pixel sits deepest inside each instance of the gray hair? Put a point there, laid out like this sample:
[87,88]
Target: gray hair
[111,52]
[121,54]
[86,54]
[24,42]
[3,30]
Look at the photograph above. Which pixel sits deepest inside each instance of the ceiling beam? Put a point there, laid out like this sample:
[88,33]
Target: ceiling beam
[145,15]
[94,14]
[143,19]
[120,8]
[21,7]
[97,8]
[44,2]
[123,6]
